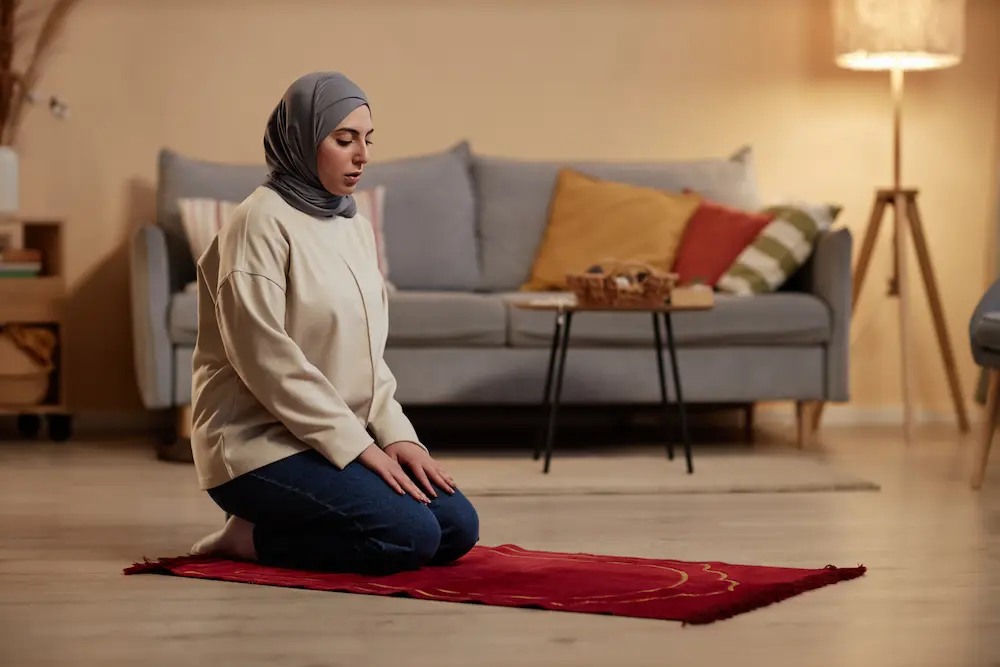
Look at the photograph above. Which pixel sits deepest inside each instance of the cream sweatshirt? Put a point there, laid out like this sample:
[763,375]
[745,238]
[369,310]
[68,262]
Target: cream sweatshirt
[292,325]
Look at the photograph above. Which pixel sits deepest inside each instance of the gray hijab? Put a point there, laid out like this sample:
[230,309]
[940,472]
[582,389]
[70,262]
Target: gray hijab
[311,108]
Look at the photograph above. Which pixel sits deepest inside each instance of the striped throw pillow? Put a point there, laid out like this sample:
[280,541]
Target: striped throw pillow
[371,206]
[779,250]
[203,217]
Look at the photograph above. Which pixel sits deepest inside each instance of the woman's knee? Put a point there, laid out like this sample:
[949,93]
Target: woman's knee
[408,543]
[459,524]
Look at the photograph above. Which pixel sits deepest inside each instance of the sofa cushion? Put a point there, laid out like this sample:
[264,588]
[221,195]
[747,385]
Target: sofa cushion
[435,318]
[591,220]
[713,238]
[514,196]
[780,249]
[782,318]
[182,320]
[430,219]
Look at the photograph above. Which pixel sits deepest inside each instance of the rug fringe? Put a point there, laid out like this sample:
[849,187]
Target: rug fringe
[828,576]
[161,565]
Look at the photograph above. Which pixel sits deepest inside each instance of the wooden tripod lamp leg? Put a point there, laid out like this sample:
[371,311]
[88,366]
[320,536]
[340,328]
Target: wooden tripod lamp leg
[905,334]
[901,266]
[868,246]
[937,310]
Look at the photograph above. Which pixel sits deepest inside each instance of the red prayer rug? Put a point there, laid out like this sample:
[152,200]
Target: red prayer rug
[509,576]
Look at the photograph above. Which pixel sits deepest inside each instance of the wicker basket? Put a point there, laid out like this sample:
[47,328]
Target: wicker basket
[622,284]
[23,379]
[23,390]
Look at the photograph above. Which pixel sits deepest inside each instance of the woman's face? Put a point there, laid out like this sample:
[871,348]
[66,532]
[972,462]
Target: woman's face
[342,155]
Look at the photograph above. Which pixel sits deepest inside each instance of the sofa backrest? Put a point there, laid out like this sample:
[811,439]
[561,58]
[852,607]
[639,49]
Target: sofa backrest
[429,218]
[513,198]
[453,220]
[178,177]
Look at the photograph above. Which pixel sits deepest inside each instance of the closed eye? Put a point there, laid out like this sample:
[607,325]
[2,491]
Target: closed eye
[347,142]
[353,134]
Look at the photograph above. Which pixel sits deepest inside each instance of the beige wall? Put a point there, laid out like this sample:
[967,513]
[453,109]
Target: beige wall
[591,78]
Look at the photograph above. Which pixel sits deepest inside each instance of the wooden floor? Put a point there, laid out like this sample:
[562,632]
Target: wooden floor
[71,516]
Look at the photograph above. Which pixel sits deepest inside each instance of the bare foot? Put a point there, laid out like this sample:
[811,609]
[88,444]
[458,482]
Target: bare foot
[234,540]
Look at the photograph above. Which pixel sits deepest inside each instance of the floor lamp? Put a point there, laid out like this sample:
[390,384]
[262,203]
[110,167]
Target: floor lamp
[899,36]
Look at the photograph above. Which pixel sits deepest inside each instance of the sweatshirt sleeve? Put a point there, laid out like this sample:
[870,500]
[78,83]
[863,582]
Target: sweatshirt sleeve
[250,310]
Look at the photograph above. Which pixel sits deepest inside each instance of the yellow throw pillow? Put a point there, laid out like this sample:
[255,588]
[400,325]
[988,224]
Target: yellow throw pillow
[592,219]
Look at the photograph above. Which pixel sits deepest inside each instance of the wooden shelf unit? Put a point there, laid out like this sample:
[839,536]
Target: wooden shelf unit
[40,301]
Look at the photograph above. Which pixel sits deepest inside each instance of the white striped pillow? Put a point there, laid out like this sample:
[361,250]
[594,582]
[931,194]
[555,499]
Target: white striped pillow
[203,217]
[371,206]
[779,250]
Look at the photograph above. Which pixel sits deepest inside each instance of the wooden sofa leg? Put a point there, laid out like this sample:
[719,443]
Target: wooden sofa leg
[989,426]
[804,415]
[748,422]
[184,422]
[817,417]
[179,448]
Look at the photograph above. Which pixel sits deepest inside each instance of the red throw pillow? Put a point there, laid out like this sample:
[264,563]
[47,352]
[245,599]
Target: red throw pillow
[713,239]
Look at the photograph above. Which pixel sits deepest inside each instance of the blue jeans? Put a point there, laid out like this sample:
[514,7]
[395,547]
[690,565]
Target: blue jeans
[310,515]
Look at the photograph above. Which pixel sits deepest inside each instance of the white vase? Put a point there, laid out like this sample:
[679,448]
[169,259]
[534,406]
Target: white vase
[9,181]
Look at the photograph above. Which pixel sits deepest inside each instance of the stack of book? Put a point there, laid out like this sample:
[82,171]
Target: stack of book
[20,263]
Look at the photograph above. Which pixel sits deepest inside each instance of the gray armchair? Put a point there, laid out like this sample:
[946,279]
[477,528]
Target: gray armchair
[984,338]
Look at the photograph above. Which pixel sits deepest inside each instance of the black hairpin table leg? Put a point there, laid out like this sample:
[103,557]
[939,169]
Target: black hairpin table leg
[557,367]
[658,340]
[676,372]
[547,396]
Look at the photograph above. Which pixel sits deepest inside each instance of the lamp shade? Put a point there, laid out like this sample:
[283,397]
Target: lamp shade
[898,34]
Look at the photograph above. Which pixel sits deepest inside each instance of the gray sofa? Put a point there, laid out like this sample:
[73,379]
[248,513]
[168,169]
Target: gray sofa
[461,231]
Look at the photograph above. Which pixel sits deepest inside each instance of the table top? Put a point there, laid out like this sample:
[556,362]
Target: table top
[569,303]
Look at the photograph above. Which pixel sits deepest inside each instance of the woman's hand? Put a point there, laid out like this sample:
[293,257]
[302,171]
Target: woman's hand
[423,467]
[387,468]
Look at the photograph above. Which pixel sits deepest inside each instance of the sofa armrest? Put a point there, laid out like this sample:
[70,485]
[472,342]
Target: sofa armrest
[149,277]
[829,277]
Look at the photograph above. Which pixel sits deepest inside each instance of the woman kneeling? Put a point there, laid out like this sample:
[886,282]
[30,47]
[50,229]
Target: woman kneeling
[296,430]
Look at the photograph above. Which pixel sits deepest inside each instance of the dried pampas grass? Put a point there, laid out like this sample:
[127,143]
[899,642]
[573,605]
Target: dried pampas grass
[29,29]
